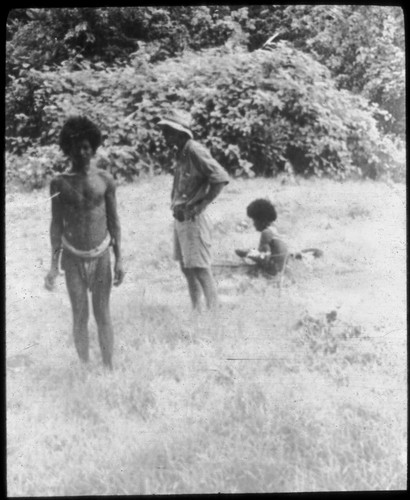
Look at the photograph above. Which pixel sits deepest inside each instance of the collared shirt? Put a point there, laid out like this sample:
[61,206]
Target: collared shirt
[195,171]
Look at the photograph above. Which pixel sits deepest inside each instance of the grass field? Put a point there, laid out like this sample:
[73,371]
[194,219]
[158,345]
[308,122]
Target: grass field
[265,396]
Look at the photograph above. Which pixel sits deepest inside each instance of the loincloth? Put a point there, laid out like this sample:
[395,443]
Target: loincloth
[87,263]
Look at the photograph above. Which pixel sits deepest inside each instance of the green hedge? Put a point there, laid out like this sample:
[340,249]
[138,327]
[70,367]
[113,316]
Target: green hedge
[260,113]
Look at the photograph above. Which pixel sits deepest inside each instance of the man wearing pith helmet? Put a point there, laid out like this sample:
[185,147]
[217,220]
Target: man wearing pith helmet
[198,180]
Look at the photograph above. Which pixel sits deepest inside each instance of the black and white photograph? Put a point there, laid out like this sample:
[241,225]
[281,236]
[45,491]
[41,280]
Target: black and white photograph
[205,250]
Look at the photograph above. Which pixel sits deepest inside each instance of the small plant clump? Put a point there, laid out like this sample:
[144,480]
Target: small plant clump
[324,335]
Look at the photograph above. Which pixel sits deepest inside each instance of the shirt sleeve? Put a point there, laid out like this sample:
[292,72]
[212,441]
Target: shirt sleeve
[206,164]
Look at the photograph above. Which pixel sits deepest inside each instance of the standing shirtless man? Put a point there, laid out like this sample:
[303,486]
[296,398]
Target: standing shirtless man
[84,223]
[198,180]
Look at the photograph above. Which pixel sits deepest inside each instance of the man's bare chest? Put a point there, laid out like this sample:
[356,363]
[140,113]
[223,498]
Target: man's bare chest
[82,193]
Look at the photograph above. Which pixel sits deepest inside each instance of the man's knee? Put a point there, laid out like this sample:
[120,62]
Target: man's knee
[102,314]
[197,273]
[189,272]
[80,310]
[202,272]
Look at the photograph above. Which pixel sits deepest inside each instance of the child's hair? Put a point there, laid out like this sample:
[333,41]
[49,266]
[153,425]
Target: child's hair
[78,128]
[261,209]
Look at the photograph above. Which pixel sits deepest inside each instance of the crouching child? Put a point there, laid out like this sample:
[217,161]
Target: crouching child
[273,253]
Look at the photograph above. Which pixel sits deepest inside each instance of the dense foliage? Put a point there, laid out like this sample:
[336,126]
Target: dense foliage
[325,97]
[111,33]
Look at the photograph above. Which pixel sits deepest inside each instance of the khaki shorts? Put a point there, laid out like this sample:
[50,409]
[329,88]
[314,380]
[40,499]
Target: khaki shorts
[192,242]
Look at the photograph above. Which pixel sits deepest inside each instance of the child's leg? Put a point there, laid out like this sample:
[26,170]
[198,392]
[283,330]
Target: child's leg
[279,254]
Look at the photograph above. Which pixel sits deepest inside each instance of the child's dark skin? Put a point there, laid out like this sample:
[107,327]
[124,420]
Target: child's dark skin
[260,225]
[277,248]
[273,253]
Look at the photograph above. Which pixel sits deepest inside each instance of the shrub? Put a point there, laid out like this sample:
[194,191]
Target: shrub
[265,112]
[34,168]
[259,113]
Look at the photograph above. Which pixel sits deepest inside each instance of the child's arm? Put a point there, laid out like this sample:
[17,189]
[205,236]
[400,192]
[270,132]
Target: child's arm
[253,254]
[263,251]
[258,256]
[263,255]
[267,236]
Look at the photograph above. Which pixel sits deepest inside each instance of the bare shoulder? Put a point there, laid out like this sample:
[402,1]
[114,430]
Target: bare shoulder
[268,234]
[106,177]
[56,183]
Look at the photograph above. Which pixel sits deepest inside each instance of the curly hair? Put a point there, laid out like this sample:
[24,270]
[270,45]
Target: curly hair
[261,209]
[78,128]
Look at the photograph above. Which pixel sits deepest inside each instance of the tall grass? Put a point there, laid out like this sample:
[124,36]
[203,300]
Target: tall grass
[266,396]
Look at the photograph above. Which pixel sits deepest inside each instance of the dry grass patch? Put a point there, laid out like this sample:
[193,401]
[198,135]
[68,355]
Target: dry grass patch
[266,396]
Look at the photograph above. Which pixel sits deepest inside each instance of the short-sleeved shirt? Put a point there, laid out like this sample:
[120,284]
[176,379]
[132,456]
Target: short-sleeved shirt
[195,171]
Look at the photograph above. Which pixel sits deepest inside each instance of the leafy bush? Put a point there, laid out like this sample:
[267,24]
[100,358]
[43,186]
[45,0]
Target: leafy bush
[33,169]
[326,335]
[264,112]
[390,161]
[22,114]
[41,37]
[363,46]
[259,113]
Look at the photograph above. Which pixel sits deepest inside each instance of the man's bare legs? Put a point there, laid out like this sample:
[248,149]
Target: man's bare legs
[199,280]
[205,277]
[101,308]
[77,291]
[194,287]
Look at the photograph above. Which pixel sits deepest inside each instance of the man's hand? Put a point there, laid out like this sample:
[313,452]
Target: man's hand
[49,281]
[194,210]
[119,273]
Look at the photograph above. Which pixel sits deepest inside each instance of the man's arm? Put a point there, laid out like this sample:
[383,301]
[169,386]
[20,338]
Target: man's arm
[212,171]
[213,192]
[56,232]
[114,228]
